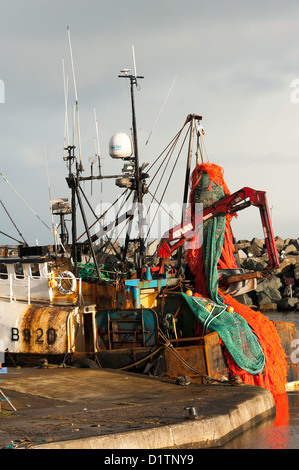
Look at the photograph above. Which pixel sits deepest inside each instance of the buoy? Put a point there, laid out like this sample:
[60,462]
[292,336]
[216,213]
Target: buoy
[69,277]
[189,292]
[230,309]
[209,307]
[52,282]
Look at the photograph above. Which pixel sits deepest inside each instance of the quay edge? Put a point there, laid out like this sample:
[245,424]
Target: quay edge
[228,415]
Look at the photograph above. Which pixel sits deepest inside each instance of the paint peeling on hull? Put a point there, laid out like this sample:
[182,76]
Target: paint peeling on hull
[40,329]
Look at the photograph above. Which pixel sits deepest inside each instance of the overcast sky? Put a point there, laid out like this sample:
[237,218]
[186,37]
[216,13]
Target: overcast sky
[233,62]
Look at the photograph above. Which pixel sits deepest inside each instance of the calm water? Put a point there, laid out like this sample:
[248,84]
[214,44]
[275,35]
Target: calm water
[282,432]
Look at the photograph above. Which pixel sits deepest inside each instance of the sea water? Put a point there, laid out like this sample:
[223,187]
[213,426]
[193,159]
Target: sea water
[282,431]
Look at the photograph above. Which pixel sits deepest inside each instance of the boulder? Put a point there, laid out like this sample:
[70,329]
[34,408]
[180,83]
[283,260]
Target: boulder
[255,249]
[242,244]
[268,291]
[270,307]
[270,283]
[290,249]
[288,303]
[296,272]
[273,292]
[248,300]
[253,264]
[279,243]
[285,265]
[286,242]
[258,242]
[269,297]
[242,254]
[291,241]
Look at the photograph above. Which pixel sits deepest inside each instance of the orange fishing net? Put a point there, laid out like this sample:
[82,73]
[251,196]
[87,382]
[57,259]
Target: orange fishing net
[274,375]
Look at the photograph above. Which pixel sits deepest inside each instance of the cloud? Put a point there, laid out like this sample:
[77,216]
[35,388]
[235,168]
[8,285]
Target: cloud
[234,63]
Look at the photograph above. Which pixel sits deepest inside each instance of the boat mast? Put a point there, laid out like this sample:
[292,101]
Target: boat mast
[73,181]
[138,176]
[191,118]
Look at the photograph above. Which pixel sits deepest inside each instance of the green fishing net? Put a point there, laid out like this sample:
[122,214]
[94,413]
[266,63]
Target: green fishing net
[88,271]
[237,336]
[234,331]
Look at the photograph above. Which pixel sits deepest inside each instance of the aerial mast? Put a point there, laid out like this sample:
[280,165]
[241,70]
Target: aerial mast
[138,173]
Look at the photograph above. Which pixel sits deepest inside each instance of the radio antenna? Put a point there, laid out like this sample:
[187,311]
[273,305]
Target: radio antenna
[66,126]
[97,141]
[50,198]
[97,144]
[134,62]
[76,95]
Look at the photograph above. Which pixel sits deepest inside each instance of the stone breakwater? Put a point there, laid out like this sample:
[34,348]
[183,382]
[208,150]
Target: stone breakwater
[279,290]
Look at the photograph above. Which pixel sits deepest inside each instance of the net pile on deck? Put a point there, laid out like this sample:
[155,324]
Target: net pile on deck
[252,346]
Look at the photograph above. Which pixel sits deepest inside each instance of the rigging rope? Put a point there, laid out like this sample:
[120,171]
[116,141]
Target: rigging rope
[1,202]
[168,181]
[9,184]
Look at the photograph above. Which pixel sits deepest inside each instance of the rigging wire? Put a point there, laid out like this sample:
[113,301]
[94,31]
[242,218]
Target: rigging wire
[23,200]
[113,244]
[159,114]
[116,217]
[162,153]
[12,238]
[2,204]
[171,147]
[162,207]
[103,214]
[169,178]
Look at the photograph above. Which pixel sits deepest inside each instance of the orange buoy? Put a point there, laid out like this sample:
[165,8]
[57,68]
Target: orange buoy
[189,292]
[52,282]
[230,309]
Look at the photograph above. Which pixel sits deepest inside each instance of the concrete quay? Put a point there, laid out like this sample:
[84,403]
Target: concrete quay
[68,408]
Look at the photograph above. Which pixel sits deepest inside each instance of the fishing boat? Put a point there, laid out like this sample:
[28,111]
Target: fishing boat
[178,315]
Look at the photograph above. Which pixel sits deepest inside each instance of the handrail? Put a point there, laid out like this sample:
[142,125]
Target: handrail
[25,283]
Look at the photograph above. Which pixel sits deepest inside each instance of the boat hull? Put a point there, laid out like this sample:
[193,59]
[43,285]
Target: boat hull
[40,329]
[118,339]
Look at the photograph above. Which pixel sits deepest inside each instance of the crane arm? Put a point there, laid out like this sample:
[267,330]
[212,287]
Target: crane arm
[230,204]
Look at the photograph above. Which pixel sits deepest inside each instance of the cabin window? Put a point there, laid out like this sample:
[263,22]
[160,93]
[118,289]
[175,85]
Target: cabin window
[3,271]
[19,271]
[35,270]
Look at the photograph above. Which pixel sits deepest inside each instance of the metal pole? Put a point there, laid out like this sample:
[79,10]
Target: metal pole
[188,166]
[8,401]
[187,178]
[73,183]
[88,233]
[139,191]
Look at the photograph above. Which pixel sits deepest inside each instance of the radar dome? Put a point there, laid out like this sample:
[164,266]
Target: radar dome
[120,146]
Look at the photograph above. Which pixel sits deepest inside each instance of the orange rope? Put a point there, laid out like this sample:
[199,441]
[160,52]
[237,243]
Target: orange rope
[273,377]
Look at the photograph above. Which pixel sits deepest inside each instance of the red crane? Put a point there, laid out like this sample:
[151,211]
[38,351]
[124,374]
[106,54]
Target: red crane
[231,204]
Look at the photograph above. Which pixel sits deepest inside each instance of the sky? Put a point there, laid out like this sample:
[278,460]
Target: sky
[234,62]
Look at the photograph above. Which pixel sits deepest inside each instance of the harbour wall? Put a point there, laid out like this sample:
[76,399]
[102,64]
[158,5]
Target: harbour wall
[279,290]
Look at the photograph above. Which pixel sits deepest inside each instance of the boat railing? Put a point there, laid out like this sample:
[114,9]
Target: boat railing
[36,288]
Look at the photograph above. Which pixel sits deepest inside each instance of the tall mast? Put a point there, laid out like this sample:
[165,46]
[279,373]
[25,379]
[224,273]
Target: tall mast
[138,178]
[191,118]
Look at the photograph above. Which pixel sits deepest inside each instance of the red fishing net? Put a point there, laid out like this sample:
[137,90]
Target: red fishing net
[273,377]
